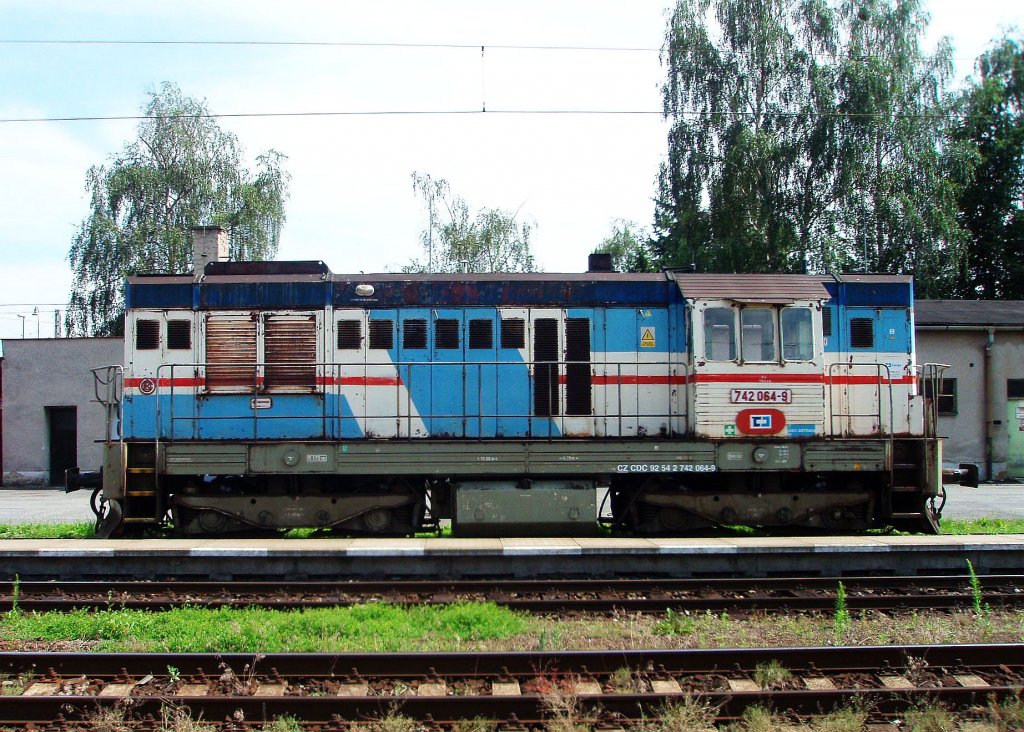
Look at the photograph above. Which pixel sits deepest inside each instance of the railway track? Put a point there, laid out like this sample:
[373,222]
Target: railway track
[66,690]
[806,594]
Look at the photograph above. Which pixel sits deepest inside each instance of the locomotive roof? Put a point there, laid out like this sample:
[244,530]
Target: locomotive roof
[304,285]
[764,288]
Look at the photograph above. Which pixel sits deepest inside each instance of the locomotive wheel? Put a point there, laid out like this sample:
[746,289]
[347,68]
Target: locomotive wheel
[844,519]
[378,520]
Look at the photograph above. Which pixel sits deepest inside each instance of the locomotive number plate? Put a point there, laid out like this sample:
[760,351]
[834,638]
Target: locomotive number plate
[760,396]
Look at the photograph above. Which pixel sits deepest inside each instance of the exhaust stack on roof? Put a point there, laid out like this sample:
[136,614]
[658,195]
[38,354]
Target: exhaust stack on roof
[209,244]
[599,262]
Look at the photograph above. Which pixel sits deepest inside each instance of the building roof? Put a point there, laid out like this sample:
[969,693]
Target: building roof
[969,313]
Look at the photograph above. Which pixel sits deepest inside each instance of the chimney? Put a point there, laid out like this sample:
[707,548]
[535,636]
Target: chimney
[209,244]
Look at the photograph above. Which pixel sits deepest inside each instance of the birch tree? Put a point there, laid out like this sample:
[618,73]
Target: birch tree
[182,171]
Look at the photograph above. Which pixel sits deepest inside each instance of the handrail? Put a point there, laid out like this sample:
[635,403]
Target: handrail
[110,380]
[333,379]
[875,369]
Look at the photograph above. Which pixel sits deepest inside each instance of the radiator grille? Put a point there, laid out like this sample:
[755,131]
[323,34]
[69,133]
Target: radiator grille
[289,344]
[230,353]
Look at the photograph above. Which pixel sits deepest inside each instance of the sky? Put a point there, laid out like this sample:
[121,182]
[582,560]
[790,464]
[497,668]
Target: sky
[351,201]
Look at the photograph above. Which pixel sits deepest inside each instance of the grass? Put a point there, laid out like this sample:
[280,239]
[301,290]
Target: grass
[983,526]
[86,530]
[376,627]
[381,627]
[78,530]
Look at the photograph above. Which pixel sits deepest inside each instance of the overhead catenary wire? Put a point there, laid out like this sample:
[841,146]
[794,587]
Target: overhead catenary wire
[412,113]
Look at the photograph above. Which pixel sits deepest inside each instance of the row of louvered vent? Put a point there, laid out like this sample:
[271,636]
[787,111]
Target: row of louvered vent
[446,334]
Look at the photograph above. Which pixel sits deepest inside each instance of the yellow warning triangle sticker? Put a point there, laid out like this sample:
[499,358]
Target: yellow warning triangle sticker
[647,338]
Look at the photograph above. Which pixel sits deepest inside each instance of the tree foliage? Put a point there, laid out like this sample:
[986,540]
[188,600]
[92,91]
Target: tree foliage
[628,244]
[990,128]
[181,171]
[458,240]
[805,136]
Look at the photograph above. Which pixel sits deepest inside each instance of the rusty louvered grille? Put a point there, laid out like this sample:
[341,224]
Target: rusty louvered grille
[577,370]
[289,345]
[826,321]
[230,353]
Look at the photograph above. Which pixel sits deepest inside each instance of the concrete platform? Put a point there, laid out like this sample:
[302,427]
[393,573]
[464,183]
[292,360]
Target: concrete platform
[611,557]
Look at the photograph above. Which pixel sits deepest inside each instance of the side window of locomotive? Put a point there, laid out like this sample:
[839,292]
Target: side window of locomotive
[481,334]
[147,335]
[797,334]
[179,335]
[862,333]
[350,335]
[414,333]
[446,333]
[719,334]
[758,329]
[382,335]
[513,333]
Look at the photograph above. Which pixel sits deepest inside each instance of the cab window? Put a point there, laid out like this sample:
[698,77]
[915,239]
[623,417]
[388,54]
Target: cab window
[720,334]
[758,328]
[797,335]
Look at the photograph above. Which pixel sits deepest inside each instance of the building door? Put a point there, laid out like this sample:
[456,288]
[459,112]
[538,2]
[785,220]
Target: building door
[1015,428]
[62,423]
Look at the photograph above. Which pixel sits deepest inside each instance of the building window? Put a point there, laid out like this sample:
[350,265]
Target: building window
[513,333]
[481,334]
[147,335]
[862,333]
[446,333]
[350,335]
[414,333]
[947,395]
[179,335]
[382,335]
[1015,388]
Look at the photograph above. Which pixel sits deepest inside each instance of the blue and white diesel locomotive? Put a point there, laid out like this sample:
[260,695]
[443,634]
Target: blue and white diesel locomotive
[273,395]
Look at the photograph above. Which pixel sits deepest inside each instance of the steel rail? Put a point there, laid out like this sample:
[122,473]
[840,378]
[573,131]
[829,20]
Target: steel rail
[953,675]
[633,595]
